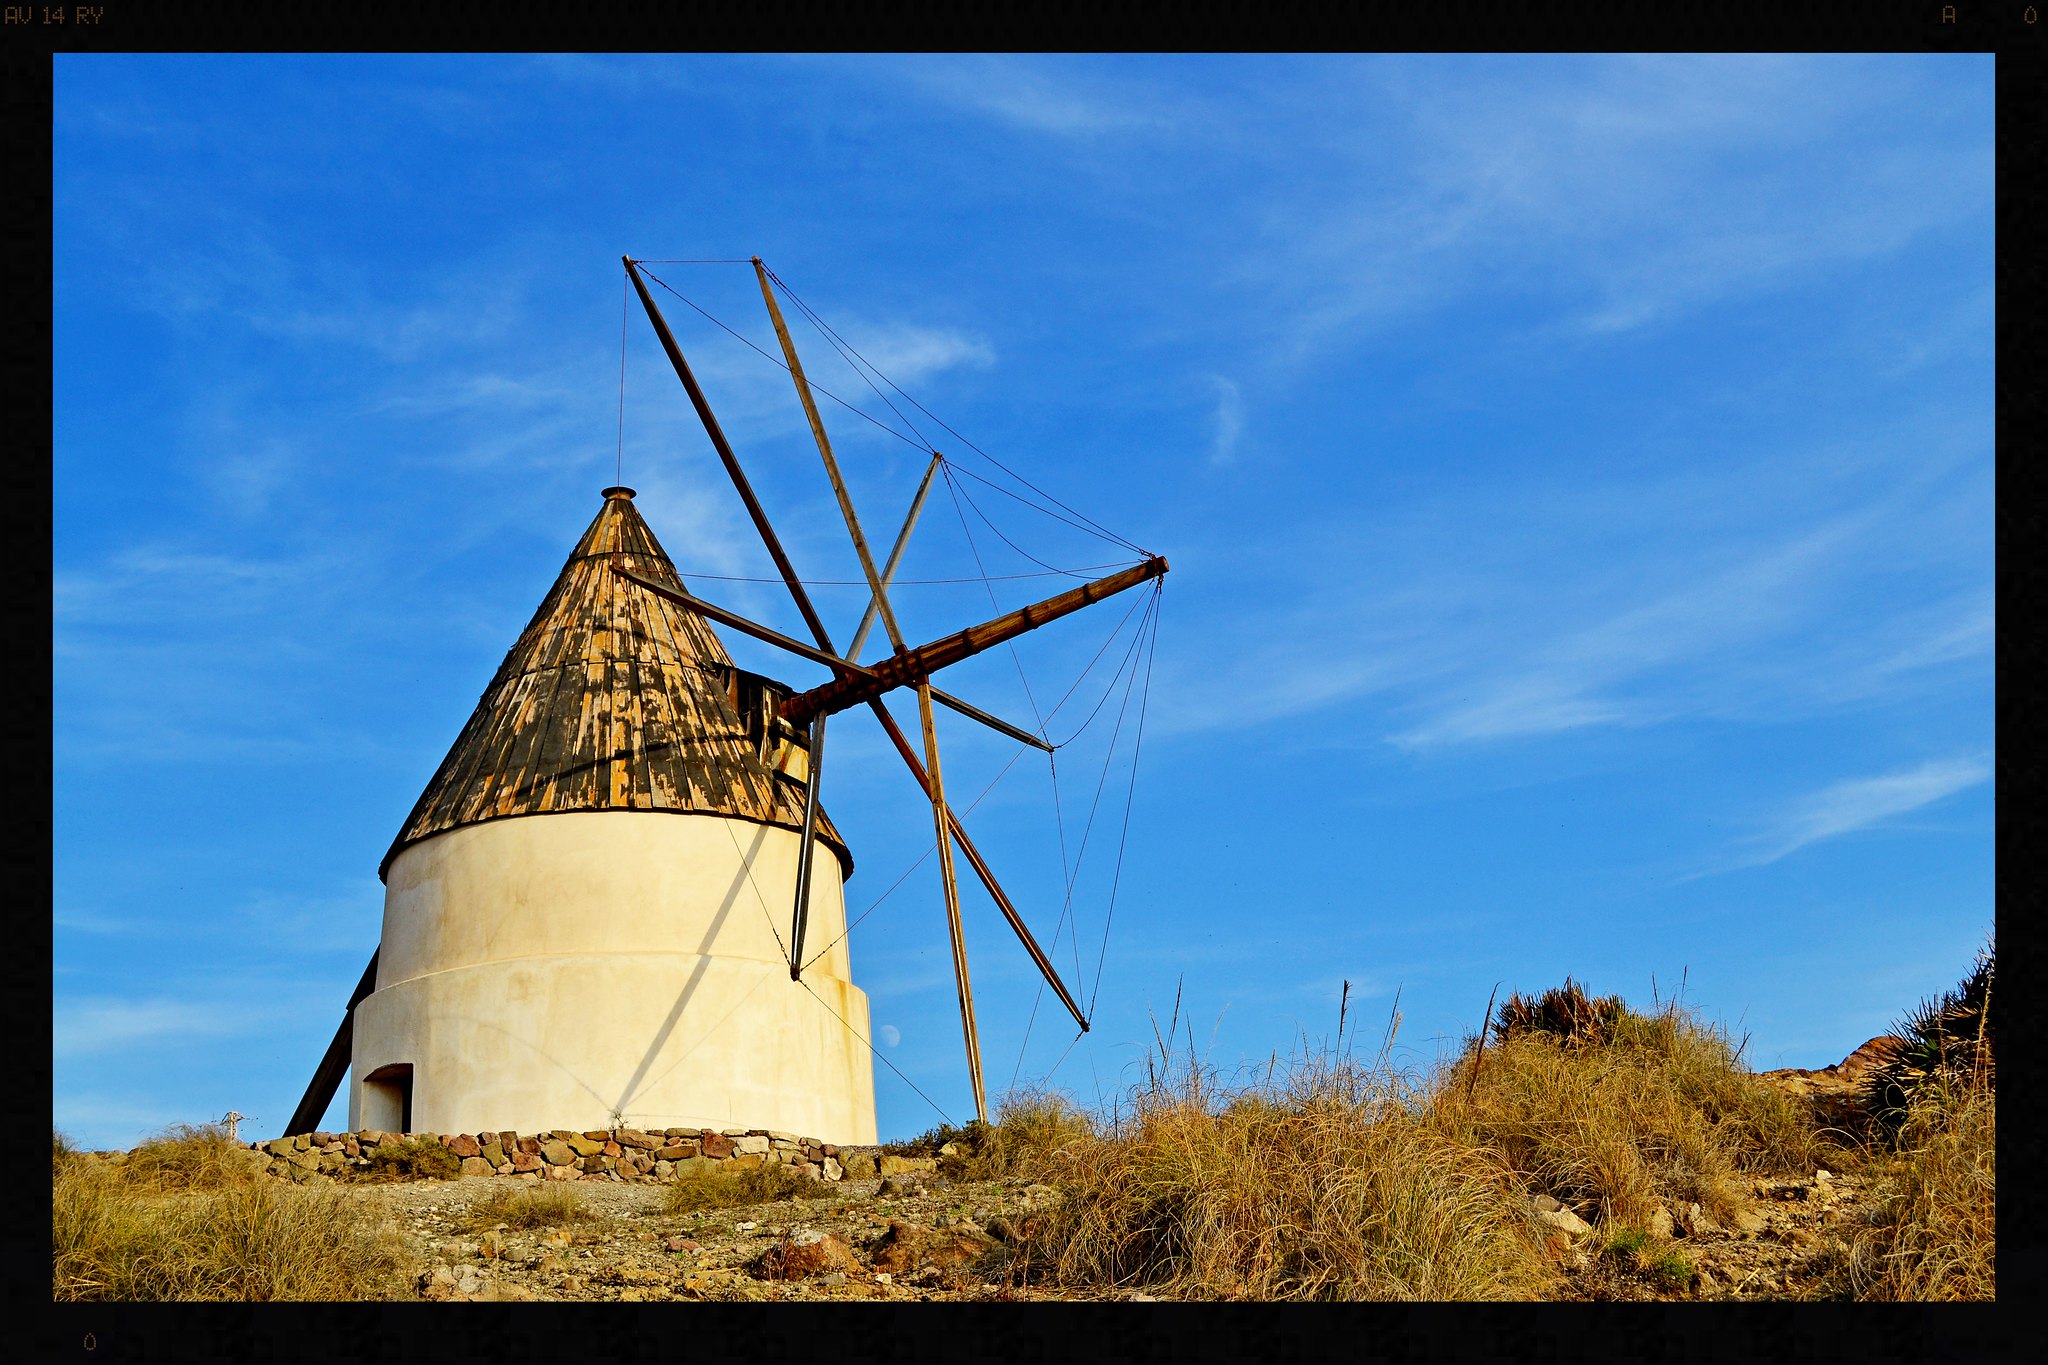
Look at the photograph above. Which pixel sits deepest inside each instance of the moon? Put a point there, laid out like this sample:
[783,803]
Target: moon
[889,1036]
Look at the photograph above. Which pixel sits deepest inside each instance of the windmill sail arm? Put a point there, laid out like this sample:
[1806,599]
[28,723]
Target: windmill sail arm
[980,866]
[910,665]
[728,459]
[833,661]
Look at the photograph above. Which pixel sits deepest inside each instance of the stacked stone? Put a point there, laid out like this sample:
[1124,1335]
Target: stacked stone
[618,1154]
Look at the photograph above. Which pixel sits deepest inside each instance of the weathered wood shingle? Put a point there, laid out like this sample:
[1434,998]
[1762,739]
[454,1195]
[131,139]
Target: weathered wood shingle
[611,699]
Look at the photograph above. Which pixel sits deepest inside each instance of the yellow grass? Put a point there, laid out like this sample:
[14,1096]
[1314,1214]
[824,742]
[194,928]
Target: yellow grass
[180,1224]
[1931,1230]
[1326,1181]
[531,1205]
[762,1184]
[1663,1113]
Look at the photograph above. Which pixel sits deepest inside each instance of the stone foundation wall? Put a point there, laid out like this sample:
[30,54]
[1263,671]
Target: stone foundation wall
[620,1154]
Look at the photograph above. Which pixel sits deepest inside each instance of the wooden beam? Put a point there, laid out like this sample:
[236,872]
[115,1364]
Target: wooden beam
[800,916]
[824,443]
[941,817]
[731,461]
[880,599]
[910,665]
[334,1062]
[867,620]
[817,627]
[981,868]
[712,612]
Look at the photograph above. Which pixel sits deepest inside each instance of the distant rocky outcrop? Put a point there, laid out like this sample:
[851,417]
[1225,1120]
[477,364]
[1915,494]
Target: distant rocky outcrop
[1836,1092]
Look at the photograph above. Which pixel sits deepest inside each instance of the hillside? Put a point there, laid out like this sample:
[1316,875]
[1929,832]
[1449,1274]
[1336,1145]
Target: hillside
[1580,1151]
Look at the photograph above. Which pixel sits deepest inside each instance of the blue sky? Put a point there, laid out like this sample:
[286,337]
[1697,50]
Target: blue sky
[1576,472]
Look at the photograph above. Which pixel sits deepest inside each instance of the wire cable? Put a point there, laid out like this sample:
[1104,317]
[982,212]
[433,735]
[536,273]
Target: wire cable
[872,1048]
[1138,749]
[784,367]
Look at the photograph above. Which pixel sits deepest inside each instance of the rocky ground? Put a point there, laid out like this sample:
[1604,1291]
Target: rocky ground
[1775,1248]
[894,1239]
[933,1239]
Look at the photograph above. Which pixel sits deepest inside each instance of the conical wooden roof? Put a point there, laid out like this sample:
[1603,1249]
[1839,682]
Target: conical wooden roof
[611,699]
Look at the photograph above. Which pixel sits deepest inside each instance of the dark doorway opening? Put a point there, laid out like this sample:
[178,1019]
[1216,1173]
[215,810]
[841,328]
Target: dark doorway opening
[387,1098]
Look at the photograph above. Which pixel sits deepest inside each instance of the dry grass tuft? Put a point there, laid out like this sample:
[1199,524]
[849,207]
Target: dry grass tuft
[1931,1230]
[762,1184]
[192,1157]
[1660,1110]
[181,1227]
[1032,1128]
[415,1158]
[532,1205]
[1322,1181]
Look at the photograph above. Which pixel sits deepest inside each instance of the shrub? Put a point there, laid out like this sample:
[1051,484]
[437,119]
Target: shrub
[1564,1013]
[414,1158]
[1947,1051]
[113,1238]
[762,1184]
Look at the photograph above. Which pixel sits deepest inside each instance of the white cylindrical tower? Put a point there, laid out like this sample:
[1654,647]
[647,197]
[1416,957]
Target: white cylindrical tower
[587,914]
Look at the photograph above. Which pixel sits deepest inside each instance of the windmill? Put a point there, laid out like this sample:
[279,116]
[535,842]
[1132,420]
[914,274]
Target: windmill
[742,747]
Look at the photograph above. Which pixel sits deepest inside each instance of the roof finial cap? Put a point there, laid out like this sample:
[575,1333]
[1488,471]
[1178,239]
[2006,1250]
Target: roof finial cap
[619,491]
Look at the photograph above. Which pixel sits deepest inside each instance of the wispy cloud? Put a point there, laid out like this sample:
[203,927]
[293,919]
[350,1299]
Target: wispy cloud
[1860,803]
[101,1024]
[1026,94]
[1645,187]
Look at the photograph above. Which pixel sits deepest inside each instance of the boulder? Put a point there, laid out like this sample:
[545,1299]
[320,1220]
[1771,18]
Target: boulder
[859,1163]
[493,1152]
[1661,1224]
[804,1254]
[557,1153]
[676,1151]
[463,1145]
[832,1169]
[717,1145]
[585,1145]
[1564,1220]
[476,1165]
[633,1137]
[525,1161]
[889,1164]
[751,1145]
